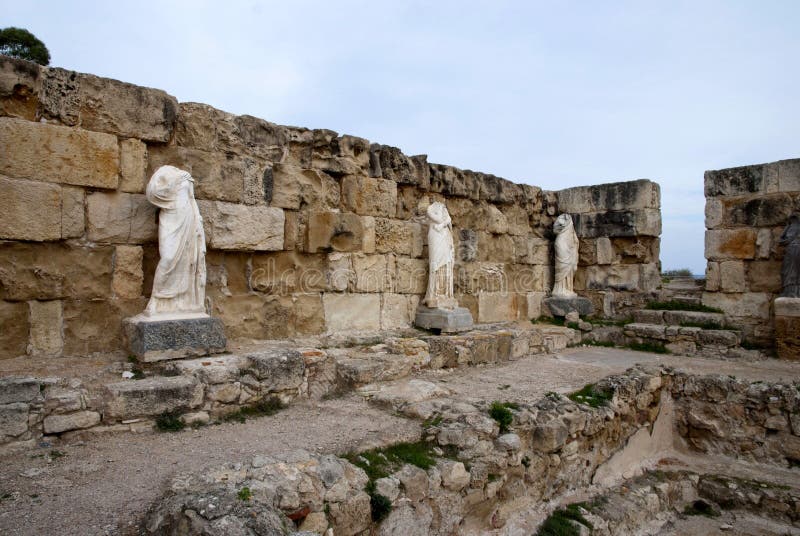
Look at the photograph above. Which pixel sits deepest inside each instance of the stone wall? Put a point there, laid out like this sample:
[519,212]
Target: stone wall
[746,211]
[308,231]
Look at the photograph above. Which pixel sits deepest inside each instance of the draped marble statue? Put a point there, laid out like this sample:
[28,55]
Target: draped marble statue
[441,257]
[566,261]
[179,285]
[790,270]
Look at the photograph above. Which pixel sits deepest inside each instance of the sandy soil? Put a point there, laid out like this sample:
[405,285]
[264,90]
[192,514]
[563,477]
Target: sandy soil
[104,486]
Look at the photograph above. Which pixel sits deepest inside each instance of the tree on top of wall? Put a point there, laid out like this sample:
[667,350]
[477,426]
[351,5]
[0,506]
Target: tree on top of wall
[20,43]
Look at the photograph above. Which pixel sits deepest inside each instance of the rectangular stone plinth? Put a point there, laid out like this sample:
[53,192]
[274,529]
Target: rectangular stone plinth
[159,340]
[561,306]
[443,320]
[787,328]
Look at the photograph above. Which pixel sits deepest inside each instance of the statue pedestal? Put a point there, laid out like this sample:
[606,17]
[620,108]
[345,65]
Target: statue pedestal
[159,338]
[444,320]
[787,328]
[561,306]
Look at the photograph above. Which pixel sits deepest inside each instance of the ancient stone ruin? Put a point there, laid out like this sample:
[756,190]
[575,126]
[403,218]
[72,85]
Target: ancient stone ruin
[403,347]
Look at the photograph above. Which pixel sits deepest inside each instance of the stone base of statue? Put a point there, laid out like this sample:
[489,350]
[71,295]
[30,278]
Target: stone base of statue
[443,320]
[162,337]
[787,328]
[562,305]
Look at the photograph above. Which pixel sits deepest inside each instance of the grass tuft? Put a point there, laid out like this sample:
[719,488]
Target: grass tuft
[245,494]
[564,522]
[592,396]
[501,412]
[169,422]
[262,408]
[380,463]
[380,506]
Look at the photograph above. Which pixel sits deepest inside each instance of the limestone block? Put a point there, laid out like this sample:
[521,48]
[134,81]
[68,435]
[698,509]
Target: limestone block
[614,277]
[526,277]
[454,475]
[713,275]
[467,249]
[411,275]
[605,250]
[16,389]
[278,369]
[232,226]
[53,153]
[132,166]
[470,278]
[30,271]
[628,195]
[787,337]
[31,210]
[715,211]
[531,250]
[496,307]
[448,180]
[732,278]
[297,188]
[725,244]
[107,105]
[332,231]
[73,221]
[96,325]
[761,211]
[495,248]
[393,165]
[746,304]
[46,322]
[55,424]
[736,181]
[20,82]
[764,243]
[120,218]
[534,304]
[398,310]
[649,277]
[340,273]
[624,223]
[496,222]
[789,175]
[285,272]
[13,420]
[152,396]
[352,312]
[369,197]
[518,219]
[128,276]
[397,236]
[308,314]
[14,335]
[373,273]
[244,316]
[368,224]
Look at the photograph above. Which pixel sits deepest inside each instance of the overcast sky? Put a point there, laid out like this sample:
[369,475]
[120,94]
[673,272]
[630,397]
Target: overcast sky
[554,94]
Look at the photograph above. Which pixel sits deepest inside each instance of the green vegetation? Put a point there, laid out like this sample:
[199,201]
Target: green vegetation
[700,508]
[681,306]
[245,494]
[572,325]
[548,320]
[20,43]
[652,347]
[169,422]
[592,396]
[564,522]
[432,421]
[262,408]
[680,272]
[380,506]
[501,412]
[380,463]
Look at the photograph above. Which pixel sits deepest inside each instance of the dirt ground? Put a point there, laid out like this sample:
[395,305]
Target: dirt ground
[104,486]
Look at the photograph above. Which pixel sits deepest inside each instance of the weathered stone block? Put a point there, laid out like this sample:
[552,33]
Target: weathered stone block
[369,197]
[132,166]
[284,272]
[158,340]
[531,250]
[732,277]
[121,218]
[13,420]
[55,424]
[625,223]
[628,195]
[761,211]
[332,231]
[411,275]
[46,324]
[373,273]
[534,304]
[397,310]
[296,188]
[390,163]
[108,105]
[308,314]
[714,212]
[724,244]
[467,245]
[128,276]
[712,276]
[397,236]
[561,307]
[789,175]
[352,312]
[31,210]
[20,82]
[496,307]
[615,277]
[746,304]
[53,153]
[278,369]
[736,181]
[73,221]
[152,396]
[495,248]
[232,226]
[96,325]
[605,250]
[15,389]
[54,270]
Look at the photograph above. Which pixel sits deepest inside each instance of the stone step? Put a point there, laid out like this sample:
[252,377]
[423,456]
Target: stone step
[676,318]
[671,334]
[151,397]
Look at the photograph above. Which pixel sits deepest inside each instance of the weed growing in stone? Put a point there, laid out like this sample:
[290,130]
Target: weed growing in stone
[564,522]
[572,325]
[262,408]
[432,421]
[681,306]
[501,412]
[169,422]
[380,506]
[380,463]
[592,396]
[245,494]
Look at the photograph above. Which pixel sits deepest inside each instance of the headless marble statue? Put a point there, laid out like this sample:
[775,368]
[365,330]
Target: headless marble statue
[179,285]
[441,256]
[566,261]
[790,270]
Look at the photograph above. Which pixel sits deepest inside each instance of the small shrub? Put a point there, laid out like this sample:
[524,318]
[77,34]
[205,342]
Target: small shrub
[572,325]
[380,506]
[169,422]
[245,494]
[592,396]
[563,522]
[501,413]
[680,306]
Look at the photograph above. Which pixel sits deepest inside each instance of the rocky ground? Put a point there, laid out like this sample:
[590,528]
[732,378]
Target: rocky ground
[104,485]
